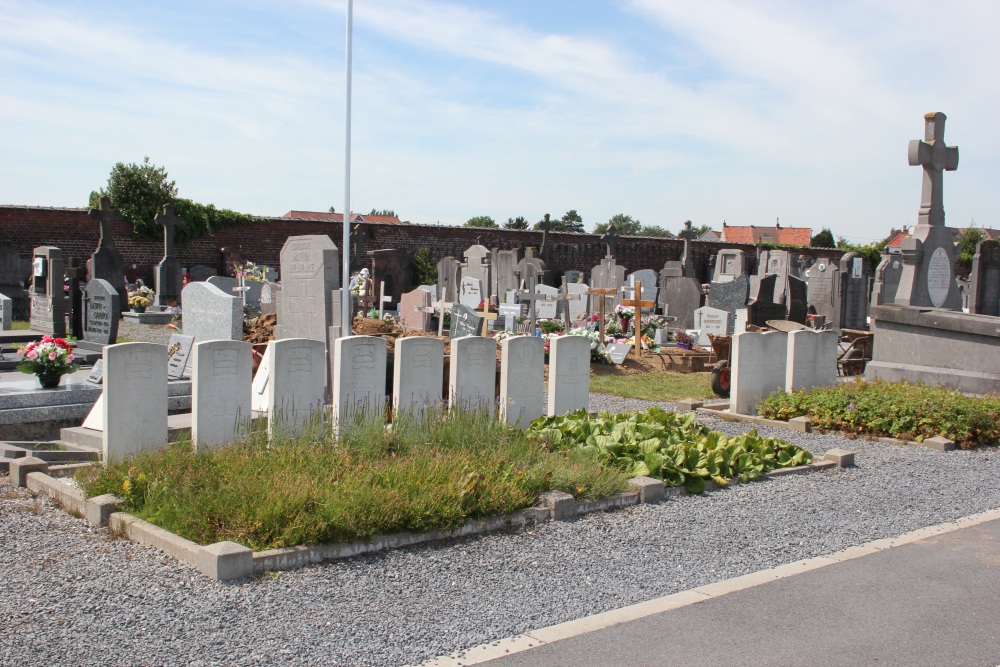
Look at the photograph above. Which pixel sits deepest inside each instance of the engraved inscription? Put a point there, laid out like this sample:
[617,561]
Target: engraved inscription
[939,277]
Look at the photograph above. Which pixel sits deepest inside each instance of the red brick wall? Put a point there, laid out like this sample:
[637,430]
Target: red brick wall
[77,234]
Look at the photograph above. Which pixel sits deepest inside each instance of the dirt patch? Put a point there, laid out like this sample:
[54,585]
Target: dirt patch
[260,329]
[674,361]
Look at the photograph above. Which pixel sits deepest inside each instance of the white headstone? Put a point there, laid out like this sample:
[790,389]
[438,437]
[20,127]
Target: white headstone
[569,374]
[578,307]
[546,310]
[470,292]
[210,313]
[812,360]
[758,368]
[522,378]
[358,380]
[135,399]
[710,320]
[296,378]
[618,352]
[509,312]
[309,272]
[472,373]
[418,373]
[178,352]
[221,376]
[6,310]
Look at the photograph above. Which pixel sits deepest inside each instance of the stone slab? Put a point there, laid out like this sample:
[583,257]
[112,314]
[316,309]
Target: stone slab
[569,374]
[221,378]
[472,373]
[418,372]
[522,369]
[359,380]
[135,399]
[211,314]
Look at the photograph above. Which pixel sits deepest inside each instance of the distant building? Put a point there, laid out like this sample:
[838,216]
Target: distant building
[777,234]
[339,217]
[710,235]
[895,244]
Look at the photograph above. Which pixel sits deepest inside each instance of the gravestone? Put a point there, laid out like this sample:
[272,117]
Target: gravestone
[798,301]
[168,271]
[886,280]
[297,381]
[470,292]
[6,313]
[12,272]
[730,296]
[415,310]
[764,308]
[359,380]
[464,322]
[714,321]
[823,290]
[102,311]
[569,374]
[574,276]
[447,282]
[135,399]
[607,275]
[532,270]
[618,352]
[578,307]
[472,374]
[211,314]
[96,374]
[178,352]
[430,289]
[48,304]
[502,276]
[679,296]
[389,272]
[730,264]
[544,308]
[269,298]
[221,377]
[477,265]
[928,255]
[309,273]
[200,272]
[229,285]
[522,370]
[984,290]
[509,312]
[812,360]
[106,262]
[758,362]
[418,370]
[649,280]
[854,275]
[775,263]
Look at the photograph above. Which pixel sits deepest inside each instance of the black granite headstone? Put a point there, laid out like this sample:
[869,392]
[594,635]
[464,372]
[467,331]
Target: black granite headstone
[730,296]
[985,296]
[798,306]
[764,308]
[101,313]
[464,322]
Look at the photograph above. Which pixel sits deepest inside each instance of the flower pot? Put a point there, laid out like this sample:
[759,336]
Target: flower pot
[49,380]
[684,346]
[138,309]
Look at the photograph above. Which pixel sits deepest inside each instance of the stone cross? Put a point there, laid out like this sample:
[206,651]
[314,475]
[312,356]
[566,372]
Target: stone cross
[605,293]
[441,307]
[935,157]
[105,215]
[169,220]
[610,239]
[382,299]
[638,303]
[565,297]
[687,261]
[487,317]
[529,296]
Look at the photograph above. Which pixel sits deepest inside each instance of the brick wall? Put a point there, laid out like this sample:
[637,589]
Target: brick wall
[24,228]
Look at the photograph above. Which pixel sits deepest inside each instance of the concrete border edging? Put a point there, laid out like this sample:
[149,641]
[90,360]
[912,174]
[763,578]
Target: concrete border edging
[72,499]
[536,638]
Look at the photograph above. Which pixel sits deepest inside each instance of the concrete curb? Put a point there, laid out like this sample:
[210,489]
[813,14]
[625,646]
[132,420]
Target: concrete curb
[803,425]
[554,633]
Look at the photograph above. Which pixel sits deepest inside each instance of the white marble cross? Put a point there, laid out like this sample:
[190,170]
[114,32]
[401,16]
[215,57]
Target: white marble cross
[242,288]
[382,299]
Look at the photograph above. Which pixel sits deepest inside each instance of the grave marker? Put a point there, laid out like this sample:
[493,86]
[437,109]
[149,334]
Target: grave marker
[48,305]
[758,368]
[211,314]
[220,392]
[296,379]
[638,304]
[464,322]
[168,271]
[6,313]
[102,310]
[309,273]
[178,352]
[522,369]
[569,374]
[135,399]
[359,380]
[418,368]
[984,295]
[472,374]
[106,262]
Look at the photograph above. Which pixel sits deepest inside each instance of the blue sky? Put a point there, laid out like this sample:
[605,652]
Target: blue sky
[665,110]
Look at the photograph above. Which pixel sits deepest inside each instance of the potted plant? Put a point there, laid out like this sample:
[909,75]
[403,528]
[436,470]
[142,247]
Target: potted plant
[684,341]
[48,359]
[139,303]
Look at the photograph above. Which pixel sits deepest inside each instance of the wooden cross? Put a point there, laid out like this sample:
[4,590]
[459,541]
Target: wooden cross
[638,303]
[382,298]
[565,297]
[936,158]
[441,307]
[169,220]
[487,317]
[604,293]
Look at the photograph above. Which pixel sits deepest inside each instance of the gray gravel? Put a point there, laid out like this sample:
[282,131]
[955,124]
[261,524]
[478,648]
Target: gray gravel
[74,597]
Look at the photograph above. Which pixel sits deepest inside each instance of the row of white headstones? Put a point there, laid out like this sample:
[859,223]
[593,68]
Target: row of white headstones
[290,385]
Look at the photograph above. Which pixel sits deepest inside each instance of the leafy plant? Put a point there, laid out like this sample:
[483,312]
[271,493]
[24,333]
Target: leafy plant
[668,446]
[139,192]
[424,269]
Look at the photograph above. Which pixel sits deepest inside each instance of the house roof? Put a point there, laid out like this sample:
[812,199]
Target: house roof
[897,240]
[339,217]
[777,234]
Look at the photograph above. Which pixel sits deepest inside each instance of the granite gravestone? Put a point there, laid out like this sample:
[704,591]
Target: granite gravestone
[106,262]
[102,311]
[775,263]
[178,352]
[607,275]
[464,322]
[886,280]
[798,301]
[6,313]
[729,265]
[200,272]
[730,296]
[509,312]
[573,276]
[211,314]
[221,376]
[309,273]
[648,278]
[168,271]
[269,298]
[48,305]
[577,307]
[823,290]
[679,296]
[984,295]
[470,292]
[502,276]
[477,266]
[764,308]
[854,302]
[928,277]
[415,310]
[447,282]
[618,352]
[230,285]
[12,273]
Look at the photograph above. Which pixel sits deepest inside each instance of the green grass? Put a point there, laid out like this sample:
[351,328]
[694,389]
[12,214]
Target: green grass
[20,325]
[654,386]
[896,409]
[437,472]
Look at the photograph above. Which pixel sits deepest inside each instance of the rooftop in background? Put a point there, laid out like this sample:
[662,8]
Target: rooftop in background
[777,234]
[710,235]
[339,217]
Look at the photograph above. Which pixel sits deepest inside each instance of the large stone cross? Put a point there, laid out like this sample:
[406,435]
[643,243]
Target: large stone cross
[610,240]
[687,261]
[936,158]
[565,297]
[105,215]
[169,220]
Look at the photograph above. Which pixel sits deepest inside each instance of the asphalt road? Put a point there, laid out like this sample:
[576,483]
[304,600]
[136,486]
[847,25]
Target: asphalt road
[932,602]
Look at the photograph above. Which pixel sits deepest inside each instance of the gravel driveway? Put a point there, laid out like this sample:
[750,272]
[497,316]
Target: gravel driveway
[72,596]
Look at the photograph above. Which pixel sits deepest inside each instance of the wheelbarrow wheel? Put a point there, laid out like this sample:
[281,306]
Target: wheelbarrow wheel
[720,379]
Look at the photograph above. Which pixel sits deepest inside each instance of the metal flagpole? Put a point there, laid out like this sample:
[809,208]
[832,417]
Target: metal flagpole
[345,300]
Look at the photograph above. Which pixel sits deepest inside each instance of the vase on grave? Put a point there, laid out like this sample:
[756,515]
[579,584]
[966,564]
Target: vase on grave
[684,346]
[49,380]
[138,309]
[624,321]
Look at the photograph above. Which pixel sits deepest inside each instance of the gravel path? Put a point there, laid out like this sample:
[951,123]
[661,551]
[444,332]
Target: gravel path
[72,596]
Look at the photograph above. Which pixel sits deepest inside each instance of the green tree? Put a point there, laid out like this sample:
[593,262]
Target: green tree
[626,225]
[424,269]
[570,222]
[520,222]
[823,239]
[870,251]
[139,192]
[481,221]
[386,211]
[656,230]
[967,243]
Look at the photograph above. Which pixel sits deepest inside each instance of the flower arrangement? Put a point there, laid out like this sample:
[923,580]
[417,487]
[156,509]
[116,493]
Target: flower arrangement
[624,312]
[140,296]
[684,341]
[482,303]
[389,319]
[49,356]
[598,352]
[139,301]
[248,270]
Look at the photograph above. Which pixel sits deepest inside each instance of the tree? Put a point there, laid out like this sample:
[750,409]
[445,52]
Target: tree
[387,212]
[656,230]
[967,243]
[823,239]
[625,224]
[481,221]
[520,222]
[570,222]
[870,251]
[139,193]
[424,268]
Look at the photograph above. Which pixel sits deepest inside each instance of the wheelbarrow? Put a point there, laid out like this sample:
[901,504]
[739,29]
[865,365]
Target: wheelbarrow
[721,347]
